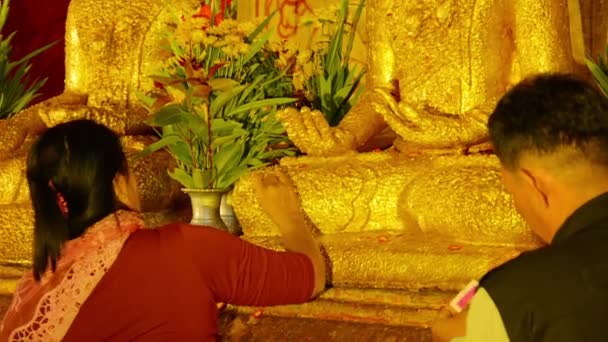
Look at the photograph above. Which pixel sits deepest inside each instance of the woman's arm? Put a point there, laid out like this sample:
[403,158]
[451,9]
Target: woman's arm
[241,273]
[278,198]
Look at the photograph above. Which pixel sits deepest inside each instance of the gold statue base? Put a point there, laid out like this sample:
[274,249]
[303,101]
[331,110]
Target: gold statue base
[393,260]
[370,306]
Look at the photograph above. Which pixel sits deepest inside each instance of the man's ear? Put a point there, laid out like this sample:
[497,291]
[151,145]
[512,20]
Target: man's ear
[539,182]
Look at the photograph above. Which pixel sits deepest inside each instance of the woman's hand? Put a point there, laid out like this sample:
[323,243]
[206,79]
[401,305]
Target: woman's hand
[277,196]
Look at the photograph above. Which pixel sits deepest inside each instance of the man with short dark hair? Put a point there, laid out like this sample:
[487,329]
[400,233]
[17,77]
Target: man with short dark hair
[551,136]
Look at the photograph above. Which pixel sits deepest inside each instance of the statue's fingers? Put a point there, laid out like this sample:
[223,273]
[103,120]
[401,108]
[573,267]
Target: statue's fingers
[311,125]
[321,124]
[258,184]
[293,134]
[401,111]
[285,115]
[408,112]
[400,114]
[383,97]
[292,120]
[283,178]
[397,124]
[270,178]
[295,128]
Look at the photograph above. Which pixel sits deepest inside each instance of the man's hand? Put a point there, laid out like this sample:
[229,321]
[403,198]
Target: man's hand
[449,325]
[277,196]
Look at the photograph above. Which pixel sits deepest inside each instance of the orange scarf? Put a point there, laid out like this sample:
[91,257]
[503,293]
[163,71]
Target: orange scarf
[45,310]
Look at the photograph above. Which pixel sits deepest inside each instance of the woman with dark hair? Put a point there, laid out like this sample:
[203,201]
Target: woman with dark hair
[97,275]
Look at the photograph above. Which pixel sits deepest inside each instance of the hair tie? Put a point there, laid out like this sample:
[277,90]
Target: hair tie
[61,202]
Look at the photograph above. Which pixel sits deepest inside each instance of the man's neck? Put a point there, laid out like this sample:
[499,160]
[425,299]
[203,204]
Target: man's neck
[572,202]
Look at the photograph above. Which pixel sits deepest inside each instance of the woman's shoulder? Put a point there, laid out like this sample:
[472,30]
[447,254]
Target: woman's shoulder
[181,232]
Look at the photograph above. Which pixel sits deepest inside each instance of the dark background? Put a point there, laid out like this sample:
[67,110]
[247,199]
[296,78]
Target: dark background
[39,22]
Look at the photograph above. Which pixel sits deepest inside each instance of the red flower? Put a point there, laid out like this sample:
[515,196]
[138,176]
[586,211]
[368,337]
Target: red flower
[224,4]
[206,12]
[218,18]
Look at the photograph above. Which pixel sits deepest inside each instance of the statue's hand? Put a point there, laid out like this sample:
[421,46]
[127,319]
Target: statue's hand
[402,118]
[431,129]
[15,131]
[311,133]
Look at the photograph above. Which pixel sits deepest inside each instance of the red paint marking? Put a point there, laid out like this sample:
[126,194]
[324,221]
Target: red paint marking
[298,8]
[257,314]
[454,247]
[382,239]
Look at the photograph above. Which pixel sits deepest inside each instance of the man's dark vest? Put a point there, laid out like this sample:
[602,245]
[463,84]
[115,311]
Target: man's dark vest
[558,292]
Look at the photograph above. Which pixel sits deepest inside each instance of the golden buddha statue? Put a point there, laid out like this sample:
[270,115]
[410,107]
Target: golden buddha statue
[111,49]
[429,212]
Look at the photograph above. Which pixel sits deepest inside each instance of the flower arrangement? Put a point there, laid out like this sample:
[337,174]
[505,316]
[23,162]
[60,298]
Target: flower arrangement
[16,89]
[323,76]
[216,98]
[222,81]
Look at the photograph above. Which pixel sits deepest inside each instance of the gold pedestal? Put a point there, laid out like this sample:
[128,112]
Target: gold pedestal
[382,307]
[394,261]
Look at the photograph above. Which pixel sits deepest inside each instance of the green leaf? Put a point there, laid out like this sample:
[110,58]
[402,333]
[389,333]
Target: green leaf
[598,74]
[261,27]
[256,47]
[198,126]
[181,152]
[202,179]
[160,144]
[222,84]
[353,33]
[183,177]
[228,139]
[341,94]
[230,177]
[223,98]
[35,53]
[263,103]
[256,163]
[251,87]
[168,115]
[146,101]
[228,156]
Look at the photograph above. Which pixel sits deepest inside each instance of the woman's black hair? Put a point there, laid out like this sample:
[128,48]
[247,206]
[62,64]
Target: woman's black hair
[75,162]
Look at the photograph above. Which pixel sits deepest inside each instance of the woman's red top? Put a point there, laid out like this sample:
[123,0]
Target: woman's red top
[166,282]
